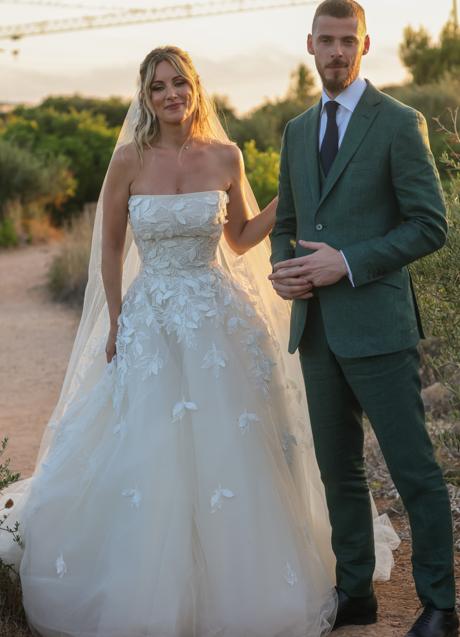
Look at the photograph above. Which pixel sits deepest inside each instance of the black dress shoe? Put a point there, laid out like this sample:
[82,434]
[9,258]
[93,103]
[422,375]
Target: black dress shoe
[435,623]
[355,611]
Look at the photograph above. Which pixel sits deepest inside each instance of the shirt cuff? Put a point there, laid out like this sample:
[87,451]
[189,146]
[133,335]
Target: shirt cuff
[350,273]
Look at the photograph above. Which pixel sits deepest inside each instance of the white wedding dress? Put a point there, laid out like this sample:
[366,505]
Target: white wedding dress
[174,500]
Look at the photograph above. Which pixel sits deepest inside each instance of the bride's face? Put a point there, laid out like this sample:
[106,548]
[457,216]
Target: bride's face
[171,95]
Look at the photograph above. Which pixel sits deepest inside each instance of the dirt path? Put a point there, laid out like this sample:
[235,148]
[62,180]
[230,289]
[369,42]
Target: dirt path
[35,340]
[36,337]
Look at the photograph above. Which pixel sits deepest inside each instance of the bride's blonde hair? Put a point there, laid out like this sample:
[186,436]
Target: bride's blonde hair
[204,115]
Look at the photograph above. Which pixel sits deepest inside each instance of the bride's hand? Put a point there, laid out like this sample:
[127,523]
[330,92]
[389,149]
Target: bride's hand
[110,348]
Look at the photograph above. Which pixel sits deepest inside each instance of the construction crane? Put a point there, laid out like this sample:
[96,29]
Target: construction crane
[60,4]
[125,17]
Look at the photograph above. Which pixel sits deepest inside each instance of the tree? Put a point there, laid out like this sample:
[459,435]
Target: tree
[428,62]
[450,48]
[302,85]
[113,109]
[265,124]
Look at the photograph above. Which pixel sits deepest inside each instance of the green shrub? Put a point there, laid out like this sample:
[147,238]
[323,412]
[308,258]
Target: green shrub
[262,172]
[8,234]
[81,140]
[22,175]
[31,185]
[437,281]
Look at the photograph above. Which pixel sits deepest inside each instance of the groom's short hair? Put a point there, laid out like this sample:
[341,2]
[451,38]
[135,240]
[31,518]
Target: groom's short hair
[341,9]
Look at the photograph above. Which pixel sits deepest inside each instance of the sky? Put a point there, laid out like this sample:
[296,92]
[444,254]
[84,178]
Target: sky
[247,56]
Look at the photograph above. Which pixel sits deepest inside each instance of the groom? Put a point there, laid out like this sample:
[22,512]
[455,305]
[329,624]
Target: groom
[360,199]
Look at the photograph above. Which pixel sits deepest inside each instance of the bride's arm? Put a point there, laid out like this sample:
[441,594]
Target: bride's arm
[242,231]
[114,221]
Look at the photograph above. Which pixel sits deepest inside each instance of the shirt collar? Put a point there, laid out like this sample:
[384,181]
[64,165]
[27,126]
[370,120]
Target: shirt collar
[350,97]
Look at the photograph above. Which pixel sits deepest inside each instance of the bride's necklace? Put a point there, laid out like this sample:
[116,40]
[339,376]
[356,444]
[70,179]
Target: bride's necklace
[186,146]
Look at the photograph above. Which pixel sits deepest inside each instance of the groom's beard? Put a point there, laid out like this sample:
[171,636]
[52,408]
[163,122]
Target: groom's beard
[335,82]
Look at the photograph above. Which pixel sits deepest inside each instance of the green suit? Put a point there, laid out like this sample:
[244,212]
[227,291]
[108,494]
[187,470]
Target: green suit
[382,205]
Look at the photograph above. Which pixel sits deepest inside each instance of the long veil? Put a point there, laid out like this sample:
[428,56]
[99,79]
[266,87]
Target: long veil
[87,363]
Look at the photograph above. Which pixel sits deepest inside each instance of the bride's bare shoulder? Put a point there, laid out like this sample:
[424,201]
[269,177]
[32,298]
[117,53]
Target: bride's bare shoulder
[125,163]
[126,155]
[226,152]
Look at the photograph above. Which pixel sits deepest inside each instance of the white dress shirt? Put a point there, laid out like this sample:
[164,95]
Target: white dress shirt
[347,101]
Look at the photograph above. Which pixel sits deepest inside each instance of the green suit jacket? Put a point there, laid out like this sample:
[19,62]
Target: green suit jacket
[381,204]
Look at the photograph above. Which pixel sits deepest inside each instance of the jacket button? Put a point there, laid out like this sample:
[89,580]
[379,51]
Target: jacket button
[319,226]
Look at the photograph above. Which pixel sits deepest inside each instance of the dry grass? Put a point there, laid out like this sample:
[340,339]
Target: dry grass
[41,231]
[12,619]
[9,628]
[69,271]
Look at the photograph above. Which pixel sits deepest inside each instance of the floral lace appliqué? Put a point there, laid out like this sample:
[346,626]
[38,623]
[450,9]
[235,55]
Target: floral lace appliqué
[61,566]
[180,409]
[133,495]
[215,360]
[120,427]
[245,420]
[218,497]
[152,366]
[180,289]
[290,575]
[288,441]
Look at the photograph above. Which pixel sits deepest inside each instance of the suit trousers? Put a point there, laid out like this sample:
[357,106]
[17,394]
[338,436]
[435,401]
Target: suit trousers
[387,388]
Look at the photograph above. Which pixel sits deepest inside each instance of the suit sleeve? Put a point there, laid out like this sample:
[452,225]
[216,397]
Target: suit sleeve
[418,191]
[284,230]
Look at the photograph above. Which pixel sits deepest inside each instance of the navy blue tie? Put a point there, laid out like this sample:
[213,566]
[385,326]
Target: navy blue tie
[330,145]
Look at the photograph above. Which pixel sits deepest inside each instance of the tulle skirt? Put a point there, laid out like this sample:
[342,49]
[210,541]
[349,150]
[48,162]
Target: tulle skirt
[181,497]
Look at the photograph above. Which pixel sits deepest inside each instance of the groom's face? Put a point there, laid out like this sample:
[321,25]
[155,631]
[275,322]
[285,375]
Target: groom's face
[338,45]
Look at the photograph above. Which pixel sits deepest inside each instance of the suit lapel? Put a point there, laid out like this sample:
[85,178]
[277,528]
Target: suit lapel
[312,154]
[360,122]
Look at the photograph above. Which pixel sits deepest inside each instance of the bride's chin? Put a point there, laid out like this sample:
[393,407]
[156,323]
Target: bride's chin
[175,118]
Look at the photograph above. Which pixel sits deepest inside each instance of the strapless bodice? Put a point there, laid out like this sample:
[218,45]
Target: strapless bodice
[177,233]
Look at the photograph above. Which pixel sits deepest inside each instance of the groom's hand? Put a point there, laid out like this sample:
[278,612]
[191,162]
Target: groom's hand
[289,284]
[324,267]
[292,287]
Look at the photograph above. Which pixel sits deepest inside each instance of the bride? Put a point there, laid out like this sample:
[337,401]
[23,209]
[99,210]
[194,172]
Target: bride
[176,492]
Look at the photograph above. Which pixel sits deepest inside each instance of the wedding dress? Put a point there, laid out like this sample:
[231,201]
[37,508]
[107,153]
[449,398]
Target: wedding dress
[180,496]
[166,505]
